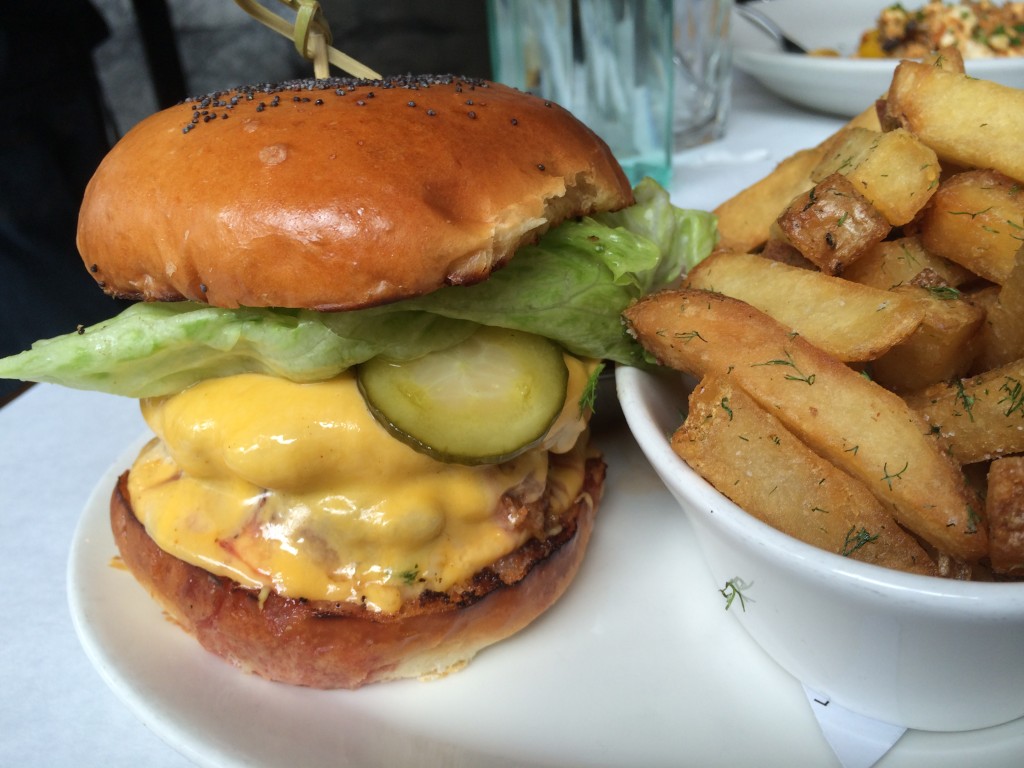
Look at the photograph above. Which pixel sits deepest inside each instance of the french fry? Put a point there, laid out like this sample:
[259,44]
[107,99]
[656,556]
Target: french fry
[750,457]
[981,417]
[896,262]
[977,220]
[1004,507]
[942,347]
[850,321]
[949,59]
[894,171]
[744,220]
[776,248]
[912,198]
[856,424]
[1002,340]
[832,224]
[968,122]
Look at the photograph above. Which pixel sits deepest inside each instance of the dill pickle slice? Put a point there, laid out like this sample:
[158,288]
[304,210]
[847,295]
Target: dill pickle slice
[482,401]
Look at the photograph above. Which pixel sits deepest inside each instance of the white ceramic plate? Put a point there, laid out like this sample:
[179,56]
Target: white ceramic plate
[639,664]
[839,86]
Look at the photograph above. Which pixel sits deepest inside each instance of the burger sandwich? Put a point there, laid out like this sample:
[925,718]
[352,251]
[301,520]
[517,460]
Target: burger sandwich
[369,318]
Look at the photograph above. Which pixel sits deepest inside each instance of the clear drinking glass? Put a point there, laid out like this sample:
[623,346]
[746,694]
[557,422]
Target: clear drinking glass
[703,70]
[610,62]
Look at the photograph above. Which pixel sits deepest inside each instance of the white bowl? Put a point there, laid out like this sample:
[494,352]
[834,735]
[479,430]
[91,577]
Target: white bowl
[916,651]
[841,86]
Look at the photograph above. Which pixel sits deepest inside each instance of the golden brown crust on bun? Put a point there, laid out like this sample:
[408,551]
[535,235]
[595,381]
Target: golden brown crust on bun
[341,645]
[337,194]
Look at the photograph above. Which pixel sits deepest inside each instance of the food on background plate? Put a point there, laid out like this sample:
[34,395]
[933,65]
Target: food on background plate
[372,318]
[979,30]
[922,405]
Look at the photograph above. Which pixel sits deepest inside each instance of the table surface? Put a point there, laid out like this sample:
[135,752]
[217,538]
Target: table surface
[54,707]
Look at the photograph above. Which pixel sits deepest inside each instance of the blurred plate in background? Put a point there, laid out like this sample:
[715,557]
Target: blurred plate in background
[841,85]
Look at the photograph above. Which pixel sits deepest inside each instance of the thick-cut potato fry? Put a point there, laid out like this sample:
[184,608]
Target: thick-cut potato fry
[985,297]
[977,220]
[981,417]
[968,122]
[946,188]
[1002,339]
[899,261]
[894,171]
[867,119]
[750,457]
[942,347]
[1004,507]
[948,59]
[744,220]
[777,249]
[856,424]
[849,321]
[832,224]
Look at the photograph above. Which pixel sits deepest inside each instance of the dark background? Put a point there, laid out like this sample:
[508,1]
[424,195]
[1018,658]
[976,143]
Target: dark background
[81,77]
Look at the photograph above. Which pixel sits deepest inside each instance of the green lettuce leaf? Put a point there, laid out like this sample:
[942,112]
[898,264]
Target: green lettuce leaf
[571,287]
[157,348]
[683,237]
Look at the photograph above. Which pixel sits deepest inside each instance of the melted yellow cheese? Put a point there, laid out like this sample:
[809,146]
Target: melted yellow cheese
[298,488]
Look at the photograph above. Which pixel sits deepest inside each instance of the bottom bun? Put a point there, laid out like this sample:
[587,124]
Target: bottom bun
[325,644]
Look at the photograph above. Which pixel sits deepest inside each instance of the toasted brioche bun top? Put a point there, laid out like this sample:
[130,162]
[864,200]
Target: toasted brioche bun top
[337,194]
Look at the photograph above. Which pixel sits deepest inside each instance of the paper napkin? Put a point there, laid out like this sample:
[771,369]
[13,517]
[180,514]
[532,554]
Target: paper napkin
[858,741]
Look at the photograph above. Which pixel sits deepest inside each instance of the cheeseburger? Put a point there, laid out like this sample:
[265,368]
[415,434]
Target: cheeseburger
[369,320]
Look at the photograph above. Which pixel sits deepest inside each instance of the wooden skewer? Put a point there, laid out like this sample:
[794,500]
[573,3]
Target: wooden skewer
[311,35]
[321,64]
